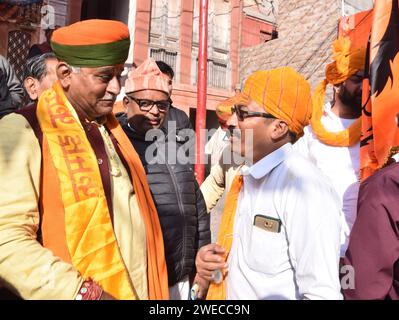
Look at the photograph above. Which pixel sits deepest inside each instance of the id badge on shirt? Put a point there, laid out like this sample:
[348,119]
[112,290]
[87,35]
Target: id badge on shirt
[266,223]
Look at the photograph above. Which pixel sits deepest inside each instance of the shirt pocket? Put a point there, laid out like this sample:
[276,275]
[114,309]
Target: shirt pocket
[265,250]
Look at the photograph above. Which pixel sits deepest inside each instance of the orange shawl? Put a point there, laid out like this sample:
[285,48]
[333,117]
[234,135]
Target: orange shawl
[217,291]
[69,236]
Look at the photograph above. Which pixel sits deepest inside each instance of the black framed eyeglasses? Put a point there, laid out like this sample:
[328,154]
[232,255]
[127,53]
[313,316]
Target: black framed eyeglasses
[243,114]
[146,104]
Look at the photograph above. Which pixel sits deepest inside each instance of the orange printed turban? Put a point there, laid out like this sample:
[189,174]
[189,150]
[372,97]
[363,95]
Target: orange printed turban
[282,92]
[92,43]
[223,109]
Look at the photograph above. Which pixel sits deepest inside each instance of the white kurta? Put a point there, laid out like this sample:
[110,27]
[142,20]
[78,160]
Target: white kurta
[216,144]
[299,262]
[339,164]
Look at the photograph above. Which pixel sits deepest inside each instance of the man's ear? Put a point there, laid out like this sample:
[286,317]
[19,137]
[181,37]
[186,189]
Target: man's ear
[280,130]
[31,87]
[125,103]
[64,72]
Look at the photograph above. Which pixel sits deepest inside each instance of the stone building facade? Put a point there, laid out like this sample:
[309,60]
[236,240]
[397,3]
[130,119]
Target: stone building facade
[244,36]
[306,29]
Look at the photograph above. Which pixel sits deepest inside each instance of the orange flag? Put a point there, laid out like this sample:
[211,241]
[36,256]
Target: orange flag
[356,27]
[380,137]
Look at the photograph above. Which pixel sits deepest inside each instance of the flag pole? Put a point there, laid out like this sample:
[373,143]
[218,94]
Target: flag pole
[200,123]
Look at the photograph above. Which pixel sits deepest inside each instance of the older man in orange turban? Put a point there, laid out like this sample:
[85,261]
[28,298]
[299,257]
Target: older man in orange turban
[332,141]
[279,235]
[77,220]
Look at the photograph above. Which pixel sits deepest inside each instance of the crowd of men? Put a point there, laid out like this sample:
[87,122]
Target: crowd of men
[98,206]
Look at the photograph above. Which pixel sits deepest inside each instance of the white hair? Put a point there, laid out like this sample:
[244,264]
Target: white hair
[75,69]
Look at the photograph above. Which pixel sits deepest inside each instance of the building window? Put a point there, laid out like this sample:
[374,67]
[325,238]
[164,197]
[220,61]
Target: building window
[218,66]
[217,72]
[164,41]
[169,57]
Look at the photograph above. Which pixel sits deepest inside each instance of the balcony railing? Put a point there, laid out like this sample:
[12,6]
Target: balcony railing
[216,74]
[167,56]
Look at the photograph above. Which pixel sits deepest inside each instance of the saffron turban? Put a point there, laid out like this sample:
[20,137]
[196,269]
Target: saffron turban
[223,109]
[347,61]
[283,93]
[147,76]
[92,43]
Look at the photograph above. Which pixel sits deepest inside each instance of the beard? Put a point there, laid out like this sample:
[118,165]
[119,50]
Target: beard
[353,100]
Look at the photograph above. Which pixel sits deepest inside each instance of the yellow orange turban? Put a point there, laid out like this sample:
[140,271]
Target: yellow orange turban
[92,43]
[223,109]
[282,92]
[347,61]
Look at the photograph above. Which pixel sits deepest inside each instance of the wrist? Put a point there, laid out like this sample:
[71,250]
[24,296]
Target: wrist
[89,290]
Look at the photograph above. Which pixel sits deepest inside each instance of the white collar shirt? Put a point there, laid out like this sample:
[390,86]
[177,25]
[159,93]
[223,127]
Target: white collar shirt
[340,164]
[299,262]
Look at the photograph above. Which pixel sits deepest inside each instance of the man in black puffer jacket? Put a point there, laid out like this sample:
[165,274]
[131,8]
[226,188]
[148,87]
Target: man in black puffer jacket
[178,199]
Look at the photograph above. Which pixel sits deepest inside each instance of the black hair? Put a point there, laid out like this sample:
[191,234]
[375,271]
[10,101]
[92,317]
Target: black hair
[165,68]
[292,136]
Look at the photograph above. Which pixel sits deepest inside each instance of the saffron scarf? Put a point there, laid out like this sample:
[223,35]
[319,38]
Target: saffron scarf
[217,291]
[343,138]
[89,232]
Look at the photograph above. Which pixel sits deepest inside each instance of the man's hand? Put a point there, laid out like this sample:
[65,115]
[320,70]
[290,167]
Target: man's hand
[203,286]
[210,258]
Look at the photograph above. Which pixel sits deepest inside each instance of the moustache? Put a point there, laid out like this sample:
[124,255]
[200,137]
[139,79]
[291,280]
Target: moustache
[233,132]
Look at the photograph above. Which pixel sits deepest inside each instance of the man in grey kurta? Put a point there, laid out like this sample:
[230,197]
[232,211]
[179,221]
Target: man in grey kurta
[11,91]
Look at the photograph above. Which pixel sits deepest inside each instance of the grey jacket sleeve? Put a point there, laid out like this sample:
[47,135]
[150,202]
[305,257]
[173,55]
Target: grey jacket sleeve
[11,91]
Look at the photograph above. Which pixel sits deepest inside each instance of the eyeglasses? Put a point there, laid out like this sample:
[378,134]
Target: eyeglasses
[146,104]
[243,114]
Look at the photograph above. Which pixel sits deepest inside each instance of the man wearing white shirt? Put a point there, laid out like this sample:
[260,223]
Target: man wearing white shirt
[332,141]
[339,164]
[280,231]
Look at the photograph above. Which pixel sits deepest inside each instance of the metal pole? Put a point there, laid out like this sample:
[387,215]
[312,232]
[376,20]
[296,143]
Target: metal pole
[201,92]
